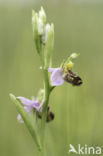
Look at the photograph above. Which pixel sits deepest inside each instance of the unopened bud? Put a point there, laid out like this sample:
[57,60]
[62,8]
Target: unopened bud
[42,15]
[35,30]
[74,55]
[49,45]
[44,37]
[40,27]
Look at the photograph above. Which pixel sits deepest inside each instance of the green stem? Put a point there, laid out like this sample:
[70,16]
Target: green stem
[42,152]
[46,100]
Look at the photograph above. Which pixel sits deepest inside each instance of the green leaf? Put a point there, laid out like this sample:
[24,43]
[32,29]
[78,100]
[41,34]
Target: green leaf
[27,120]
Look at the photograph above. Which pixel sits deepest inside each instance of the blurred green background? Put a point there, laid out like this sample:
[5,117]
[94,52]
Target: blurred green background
[78,110]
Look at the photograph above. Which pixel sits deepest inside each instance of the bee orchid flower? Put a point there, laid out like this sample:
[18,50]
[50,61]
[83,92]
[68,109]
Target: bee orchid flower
[29,105]
[59,75]
[64,73]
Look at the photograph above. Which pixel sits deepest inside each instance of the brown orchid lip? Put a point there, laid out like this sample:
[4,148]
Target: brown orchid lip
[50,115]
[72,78]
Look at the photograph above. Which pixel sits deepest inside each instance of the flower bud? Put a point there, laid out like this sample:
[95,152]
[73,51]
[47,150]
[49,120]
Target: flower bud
[40,27]
[74,55]
[42,15]
[43,33]
[44,37]
[35,24]
[49,44]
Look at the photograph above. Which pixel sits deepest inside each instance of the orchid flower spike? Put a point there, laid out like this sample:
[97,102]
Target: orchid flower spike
[64,73]
[43,32]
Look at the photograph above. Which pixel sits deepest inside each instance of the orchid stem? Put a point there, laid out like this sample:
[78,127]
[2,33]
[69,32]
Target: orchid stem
[46,100]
